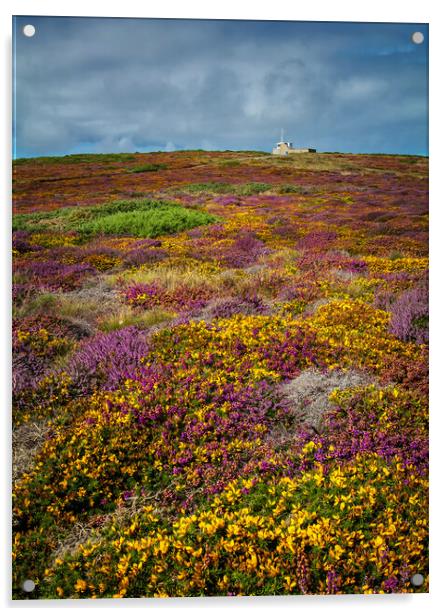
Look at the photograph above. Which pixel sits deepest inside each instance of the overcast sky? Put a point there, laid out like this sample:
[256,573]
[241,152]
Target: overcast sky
[126,85]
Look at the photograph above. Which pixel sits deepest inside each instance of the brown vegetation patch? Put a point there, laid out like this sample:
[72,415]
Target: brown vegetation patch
[309,392]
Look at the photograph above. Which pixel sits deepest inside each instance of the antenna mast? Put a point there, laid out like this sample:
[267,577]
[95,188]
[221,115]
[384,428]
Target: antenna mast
[282,134]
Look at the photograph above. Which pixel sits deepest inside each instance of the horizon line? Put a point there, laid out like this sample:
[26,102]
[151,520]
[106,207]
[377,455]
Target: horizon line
[86,153]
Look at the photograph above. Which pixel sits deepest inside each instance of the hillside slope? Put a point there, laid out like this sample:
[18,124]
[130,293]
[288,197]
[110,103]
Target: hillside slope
[220,374]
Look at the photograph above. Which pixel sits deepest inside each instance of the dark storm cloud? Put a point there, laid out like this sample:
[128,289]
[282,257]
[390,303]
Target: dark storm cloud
[126,85]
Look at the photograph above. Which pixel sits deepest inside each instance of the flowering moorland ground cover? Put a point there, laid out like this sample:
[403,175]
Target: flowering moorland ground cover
[220,374]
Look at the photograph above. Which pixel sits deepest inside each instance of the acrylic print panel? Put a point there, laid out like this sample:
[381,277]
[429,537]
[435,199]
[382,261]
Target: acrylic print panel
[220,309]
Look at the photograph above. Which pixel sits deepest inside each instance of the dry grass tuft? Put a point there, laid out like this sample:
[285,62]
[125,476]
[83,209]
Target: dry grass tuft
[27,439]
[124,317]
[169,277]
[313,306]
[309,392]
[89,303]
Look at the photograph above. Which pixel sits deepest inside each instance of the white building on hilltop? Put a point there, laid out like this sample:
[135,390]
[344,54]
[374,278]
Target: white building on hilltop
[284,148]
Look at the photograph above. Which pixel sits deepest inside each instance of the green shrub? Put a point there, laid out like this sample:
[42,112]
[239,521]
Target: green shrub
[126,205]
[285,189]
[148,167]
[215,187]
[145,222]
[120,217]
[253,188]
[230,163]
